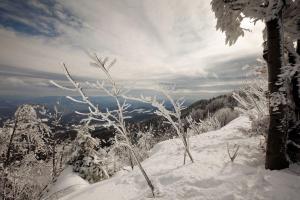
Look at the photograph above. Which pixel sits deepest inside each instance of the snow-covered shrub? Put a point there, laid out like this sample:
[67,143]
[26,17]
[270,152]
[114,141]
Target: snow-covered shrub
[88,159]
[95,163]
[253,102]
[260,125]
[193,125]
[145,142]
[210,123]
[23,135]
[252,99]
[120,157]
[160,130]
[225,115]
[198,114]
[24,170]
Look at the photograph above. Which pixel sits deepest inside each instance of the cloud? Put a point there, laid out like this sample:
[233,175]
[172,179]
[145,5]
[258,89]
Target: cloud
[153,40]
[36,17]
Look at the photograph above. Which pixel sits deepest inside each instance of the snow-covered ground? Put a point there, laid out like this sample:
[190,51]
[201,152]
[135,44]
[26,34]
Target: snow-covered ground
[212,176]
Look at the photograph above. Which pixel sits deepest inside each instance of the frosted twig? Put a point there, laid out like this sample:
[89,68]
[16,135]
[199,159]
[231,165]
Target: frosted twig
[115,118]
[235,152]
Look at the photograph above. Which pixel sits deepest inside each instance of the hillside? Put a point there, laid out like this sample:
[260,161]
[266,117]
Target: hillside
[211,105]
[213,176]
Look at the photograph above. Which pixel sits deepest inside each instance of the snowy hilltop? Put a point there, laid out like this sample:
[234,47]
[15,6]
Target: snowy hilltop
[212,175]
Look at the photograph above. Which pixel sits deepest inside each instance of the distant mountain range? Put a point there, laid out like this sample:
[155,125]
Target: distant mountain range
[9,104]
[139,121]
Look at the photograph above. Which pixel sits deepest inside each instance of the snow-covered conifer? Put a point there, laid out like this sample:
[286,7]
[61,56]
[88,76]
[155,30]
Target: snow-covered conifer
[23,155]
[210,123]
[88,159]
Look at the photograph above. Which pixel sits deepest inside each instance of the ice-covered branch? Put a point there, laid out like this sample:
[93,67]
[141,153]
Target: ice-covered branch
[115,118]
[61,87]
[172,117]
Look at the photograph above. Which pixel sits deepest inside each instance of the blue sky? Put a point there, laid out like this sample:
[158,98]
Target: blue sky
[154,41]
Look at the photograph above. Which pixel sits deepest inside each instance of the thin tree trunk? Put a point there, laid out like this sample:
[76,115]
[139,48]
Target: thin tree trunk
[276,143]
[143,172]
[10,142]
[187,150]
[7,159]
[61,157]
[130,160]
[54,159]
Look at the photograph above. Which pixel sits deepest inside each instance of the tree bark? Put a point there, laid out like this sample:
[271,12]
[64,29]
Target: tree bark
[292,148]
[276,143]
[294,79]
[143,172]
[296,85]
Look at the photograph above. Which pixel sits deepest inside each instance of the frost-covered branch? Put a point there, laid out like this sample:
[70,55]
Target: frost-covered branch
[115,118]
[172,117]
[231,13]
[252,98]
[209,124]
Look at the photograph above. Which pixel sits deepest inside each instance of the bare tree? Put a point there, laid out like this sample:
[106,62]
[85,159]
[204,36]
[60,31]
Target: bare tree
[115,118]
[173,117]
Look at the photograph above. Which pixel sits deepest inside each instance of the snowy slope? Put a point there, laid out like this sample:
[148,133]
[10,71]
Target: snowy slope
[212,176]
[67,182]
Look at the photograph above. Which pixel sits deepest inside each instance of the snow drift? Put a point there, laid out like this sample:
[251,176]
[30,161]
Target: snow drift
[212,176]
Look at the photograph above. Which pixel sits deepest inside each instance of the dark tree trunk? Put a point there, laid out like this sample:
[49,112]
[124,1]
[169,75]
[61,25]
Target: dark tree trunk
[53,158]
[294,133]
[276,143]
[296,85]
[10,144]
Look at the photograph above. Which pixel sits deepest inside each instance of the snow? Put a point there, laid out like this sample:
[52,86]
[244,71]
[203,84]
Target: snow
[66,183]
[212,176]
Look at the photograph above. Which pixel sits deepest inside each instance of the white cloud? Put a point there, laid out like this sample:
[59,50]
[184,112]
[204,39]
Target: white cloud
[152,39]
[15,82]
